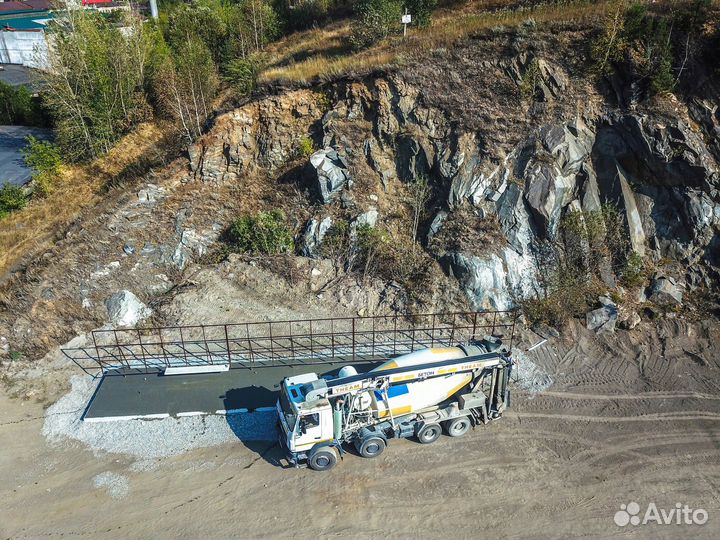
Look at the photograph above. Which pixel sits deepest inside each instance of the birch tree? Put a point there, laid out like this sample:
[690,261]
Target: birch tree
[94,86]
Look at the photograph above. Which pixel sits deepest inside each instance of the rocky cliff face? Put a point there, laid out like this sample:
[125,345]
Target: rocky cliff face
[505,168]
[658,168]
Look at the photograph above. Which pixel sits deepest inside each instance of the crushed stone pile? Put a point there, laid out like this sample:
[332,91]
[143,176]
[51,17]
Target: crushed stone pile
[149,439]
[116,484]
[528,376]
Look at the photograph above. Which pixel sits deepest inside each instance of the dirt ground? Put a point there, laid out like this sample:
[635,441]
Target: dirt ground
[630,417]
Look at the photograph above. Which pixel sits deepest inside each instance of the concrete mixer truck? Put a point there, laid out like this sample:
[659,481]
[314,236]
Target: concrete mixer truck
[418,394]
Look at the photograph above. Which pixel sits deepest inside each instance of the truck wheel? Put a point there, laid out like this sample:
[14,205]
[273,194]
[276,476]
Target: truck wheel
[457,427]
[429,433]
[372,447]
[323,459]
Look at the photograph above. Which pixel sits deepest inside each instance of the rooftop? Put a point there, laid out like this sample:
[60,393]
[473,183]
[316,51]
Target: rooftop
[26,5]
[37,21]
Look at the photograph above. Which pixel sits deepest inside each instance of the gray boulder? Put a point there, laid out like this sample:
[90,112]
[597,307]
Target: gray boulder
[368,218]
[331,173]
[664,291]
[602,319]
[630,320]
[312,238]
[126,310]
[436,225]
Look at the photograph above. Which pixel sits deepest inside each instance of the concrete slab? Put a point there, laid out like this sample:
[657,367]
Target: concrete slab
[147,395]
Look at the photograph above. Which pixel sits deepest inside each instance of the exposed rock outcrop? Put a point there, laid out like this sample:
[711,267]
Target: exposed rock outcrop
[260,136]
[125,309]
[483,279]
[656,170]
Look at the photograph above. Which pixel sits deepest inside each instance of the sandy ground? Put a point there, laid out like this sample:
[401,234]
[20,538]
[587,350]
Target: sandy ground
[629,418]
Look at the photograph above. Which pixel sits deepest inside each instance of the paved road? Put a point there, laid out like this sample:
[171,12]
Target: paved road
[12,140]
[16,75]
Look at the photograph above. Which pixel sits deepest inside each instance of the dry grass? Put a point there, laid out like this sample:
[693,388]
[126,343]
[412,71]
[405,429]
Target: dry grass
[323,68]
[36,227]
[321,54]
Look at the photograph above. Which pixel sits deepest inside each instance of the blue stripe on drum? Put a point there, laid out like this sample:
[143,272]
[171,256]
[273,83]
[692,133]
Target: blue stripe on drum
[393,391]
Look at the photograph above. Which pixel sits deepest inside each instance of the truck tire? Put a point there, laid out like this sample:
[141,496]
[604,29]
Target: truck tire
[371,447]
[429,433]
[323,459]
[457,427]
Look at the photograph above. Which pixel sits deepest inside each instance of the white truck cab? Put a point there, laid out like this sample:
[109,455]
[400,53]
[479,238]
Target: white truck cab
[303,423]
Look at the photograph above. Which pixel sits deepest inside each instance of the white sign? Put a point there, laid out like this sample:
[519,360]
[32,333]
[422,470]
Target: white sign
[406,19]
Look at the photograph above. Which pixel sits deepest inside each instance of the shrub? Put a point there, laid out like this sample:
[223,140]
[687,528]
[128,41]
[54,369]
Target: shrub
[609,47]
[375,20]
[529,84]
[306,147]
[567,295]
[391,257]
[43,157]
[264,233]
[634,272]
[373,251]
[591,242]
[465,231]
[242,73]
[12,198]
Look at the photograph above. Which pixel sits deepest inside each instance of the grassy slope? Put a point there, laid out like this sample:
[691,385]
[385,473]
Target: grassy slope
[321,54]
[32,230]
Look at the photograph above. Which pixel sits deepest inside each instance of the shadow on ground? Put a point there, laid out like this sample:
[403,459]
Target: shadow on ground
[258,428]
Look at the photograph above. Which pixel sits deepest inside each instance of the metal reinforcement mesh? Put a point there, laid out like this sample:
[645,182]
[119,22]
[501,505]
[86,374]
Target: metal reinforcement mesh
[307,341]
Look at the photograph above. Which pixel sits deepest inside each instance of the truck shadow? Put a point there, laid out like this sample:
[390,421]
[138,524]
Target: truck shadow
[251,415]
[256,429]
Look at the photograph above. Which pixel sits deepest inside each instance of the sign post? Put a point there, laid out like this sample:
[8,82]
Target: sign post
[406,19]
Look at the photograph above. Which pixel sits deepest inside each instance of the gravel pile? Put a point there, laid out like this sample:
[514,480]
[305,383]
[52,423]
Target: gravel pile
[116,484]
[149,439]
[530,376]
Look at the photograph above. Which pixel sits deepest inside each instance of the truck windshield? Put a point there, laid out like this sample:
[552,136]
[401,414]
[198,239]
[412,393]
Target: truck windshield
[287,409]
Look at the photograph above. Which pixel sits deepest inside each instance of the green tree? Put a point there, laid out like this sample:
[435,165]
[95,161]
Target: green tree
[305,14]
[94,88]
[18,107]
[649,40]
[242,73]
[421,11]
[609,47]
[229,29]
[198,20]
[375,20]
